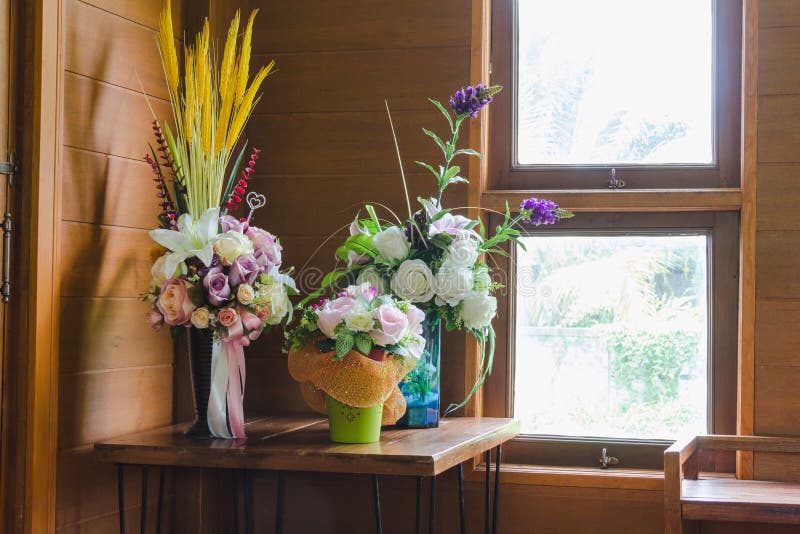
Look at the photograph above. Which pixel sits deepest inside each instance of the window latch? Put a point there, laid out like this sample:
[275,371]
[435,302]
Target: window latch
[607,461]
[10,168]
[614,182]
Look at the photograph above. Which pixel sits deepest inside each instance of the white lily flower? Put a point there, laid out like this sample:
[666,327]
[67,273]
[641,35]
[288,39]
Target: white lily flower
[192,238]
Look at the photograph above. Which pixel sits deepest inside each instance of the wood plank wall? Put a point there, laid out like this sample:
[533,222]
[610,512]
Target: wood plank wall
[115,373]
[777,338]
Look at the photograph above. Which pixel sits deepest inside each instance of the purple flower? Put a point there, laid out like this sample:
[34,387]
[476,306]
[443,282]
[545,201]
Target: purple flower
[217,288]
[229,222]
[536,212]
[244,270]
[470,100]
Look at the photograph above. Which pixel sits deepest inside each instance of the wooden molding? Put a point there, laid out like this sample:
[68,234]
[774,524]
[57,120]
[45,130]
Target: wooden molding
[607,200]
[42,202]
[747,268]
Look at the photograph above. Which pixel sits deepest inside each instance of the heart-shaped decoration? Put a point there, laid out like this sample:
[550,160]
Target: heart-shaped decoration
[255,200]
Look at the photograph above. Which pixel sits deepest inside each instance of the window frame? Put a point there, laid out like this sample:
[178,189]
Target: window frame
[722,228]
[504,173]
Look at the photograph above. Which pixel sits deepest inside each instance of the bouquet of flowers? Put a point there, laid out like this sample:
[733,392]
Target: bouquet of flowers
[216,273]
[355,347]
[435,257]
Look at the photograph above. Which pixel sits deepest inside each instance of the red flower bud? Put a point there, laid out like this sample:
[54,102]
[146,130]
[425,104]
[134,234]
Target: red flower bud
[239,190]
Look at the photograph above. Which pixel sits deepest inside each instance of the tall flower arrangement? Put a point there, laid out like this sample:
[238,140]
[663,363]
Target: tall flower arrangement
[214,272]
[435,258]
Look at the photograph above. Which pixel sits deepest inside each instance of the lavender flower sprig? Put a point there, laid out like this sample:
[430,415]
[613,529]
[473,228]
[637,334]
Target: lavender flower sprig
[465,104]
[532,211]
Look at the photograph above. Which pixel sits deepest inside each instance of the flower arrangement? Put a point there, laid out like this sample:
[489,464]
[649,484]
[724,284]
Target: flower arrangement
[350,351]
[435,257]
[213,271]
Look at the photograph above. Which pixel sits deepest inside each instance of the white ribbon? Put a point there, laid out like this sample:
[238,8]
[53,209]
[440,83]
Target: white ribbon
[217,398]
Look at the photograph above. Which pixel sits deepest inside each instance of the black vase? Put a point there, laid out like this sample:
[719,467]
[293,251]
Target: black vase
[201,345]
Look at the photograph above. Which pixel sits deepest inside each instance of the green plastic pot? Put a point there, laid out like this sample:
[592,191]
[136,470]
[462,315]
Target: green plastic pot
[349,424]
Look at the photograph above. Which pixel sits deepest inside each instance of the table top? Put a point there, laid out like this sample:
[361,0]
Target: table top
[303,444]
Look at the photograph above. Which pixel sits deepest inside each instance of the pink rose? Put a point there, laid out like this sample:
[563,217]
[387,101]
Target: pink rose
[330,315]
[174,302]
[263,311]
[155,319]
[227,317]
[251,323]
[415,318]
[267,248]
[229,222]
[394,325]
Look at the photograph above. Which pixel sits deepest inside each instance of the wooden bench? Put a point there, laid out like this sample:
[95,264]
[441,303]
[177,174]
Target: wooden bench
[690,498]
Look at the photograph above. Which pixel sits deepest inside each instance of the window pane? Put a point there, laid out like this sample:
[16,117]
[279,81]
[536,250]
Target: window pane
[615,82]
[612,336]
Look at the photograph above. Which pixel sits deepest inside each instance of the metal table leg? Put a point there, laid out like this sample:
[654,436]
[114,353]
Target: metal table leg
[432,511]
[143,507]
[121,498]
[377,495]
[279,504]
[159,511]
[419,505]
[461,498]
[496,488]
[487,490]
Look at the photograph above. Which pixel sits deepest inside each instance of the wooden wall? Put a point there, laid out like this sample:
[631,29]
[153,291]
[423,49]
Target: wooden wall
[777,339]
[115,373]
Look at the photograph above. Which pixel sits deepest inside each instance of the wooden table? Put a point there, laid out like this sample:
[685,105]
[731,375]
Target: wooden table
[302,444]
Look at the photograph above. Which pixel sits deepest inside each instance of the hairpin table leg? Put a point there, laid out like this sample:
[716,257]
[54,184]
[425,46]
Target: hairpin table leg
[279,504]
[248,515]
[419,505]
[461,498]
[143,507]
[235,495]
[487,490]
[160,509]
[377,494]
[121,498]
[432,512]
[496,488]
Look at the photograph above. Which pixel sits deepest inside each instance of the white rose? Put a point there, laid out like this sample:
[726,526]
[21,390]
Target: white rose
[231,245]
[413,281]
[415,346]
[245,294]
[159,274]
[463,252]
[201,318]
[360,320]
[279,303]
[478,310]
[392,245]
[371,276]
[483,280]
[452,283]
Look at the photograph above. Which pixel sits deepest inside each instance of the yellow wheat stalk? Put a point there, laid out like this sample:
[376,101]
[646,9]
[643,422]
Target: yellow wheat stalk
[166,43]
[245,109]
[243,65]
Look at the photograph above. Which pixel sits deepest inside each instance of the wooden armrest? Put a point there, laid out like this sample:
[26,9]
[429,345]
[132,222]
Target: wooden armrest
[683,448]
[749,443]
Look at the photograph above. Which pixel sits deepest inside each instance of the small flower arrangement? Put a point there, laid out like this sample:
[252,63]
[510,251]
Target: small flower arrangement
[435,258]
[360,319]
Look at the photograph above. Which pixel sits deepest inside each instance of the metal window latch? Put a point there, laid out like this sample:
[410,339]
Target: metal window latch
[614,182]
[607,461]
[10,168]
[5,289]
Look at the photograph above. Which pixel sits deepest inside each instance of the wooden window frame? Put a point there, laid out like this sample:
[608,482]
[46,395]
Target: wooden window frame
[505,174]
[722,228]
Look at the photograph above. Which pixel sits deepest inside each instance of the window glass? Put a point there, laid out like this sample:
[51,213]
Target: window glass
[615,82]
[611,335]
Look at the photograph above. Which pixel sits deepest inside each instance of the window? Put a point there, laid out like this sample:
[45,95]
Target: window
[611,336]
[649,89]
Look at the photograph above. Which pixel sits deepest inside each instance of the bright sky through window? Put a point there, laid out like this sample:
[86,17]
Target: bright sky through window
[615,82]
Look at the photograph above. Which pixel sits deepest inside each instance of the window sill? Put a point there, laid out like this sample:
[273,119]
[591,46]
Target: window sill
[576,477]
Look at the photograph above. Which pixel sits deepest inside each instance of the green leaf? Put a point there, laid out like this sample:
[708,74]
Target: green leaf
[361,244]
[441,214]
[344,344]
[332,277]
[448,175]
[467,152]
[436,138]
[341,253]
[363,343]
[374,216]
[232,177]
[444,111]
[430,168]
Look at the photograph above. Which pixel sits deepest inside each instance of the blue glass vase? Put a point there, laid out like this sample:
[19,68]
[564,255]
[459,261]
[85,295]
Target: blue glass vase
[420,387]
